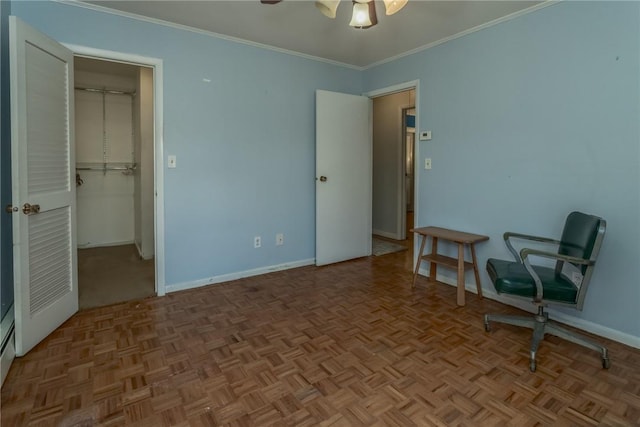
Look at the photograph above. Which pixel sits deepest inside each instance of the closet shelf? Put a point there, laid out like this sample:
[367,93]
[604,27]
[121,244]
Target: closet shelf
[106,166]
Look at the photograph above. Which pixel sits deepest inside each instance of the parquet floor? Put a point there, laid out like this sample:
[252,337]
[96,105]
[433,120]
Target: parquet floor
[344,345]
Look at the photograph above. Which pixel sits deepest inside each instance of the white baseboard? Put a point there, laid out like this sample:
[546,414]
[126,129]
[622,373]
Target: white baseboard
[141,255]
[239,275]
[104,245]
[6,358]
[385,234]
[139,249]
[576,322]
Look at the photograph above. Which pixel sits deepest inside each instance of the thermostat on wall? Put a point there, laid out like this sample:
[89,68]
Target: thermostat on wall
[425,135]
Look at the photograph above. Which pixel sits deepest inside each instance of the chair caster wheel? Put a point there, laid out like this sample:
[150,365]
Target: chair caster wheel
[606,363]
[532,366]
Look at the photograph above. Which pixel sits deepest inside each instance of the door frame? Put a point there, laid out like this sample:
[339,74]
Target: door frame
[405,134]
[158,143]
[390,90]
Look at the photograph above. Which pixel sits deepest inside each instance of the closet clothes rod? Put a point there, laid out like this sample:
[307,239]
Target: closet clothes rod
[107,168]
[109,91]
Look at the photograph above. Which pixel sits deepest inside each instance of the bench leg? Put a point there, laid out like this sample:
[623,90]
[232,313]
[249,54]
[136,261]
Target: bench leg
[475,270]
[460,299]
[418,261]
[433,267]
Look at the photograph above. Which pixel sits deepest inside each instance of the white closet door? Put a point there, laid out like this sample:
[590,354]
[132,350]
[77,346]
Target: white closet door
[43,184]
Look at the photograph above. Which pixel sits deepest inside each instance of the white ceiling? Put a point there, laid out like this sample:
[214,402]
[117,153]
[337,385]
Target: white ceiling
[298,26]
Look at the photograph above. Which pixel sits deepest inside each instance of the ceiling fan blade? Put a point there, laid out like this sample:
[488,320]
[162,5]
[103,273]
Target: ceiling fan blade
[270,1]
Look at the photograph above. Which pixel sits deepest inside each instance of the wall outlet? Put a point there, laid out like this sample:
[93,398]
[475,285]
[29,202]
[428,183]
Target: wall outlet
[257,242]
[279,239]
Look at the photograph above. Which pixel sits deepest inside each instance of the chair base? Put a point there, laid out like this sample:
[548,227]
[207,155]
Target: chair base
[541,326]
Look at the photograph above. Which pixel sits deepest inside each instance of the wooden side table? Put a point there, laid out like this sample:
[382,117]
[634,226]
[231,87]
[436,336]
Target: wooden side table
[462,239]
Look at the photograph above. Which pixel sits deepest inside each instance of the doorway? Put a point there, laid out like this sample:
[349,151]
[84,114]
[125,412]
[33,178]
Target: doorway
[393,175]
[114,181]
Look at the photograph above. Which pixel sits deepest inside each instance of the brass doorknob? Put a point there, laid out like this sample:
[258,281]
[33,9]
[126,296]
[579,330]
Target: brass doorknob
[29,209]
[323,179]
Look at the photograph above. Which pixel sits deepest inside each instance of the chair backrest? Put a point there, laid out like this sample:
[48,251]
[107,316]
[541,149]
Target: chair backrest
[582,237]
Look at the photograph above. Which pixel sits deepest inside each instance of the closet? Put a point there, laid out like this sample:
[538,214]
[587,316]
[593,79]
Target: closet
[114,181]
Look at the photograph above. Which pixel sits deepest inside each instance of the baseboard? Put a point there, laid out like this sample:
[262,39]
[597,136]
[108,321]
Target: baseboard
[560,317]
[386,234]
[139,249]
[238,275]
[142,255]
[6,357]
[104,245]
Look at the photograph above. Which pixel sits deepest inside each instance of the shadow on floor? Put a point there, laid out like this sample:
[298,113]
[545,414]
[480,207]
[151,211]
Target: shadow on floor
[113,274]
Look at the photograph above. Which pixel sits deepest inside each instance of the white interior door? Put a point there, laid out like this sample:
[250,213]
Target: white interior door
[43,167]
[343,177]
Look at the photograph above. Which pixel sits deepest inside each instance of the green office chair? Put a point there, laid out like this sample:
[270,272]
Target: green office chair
[566,284]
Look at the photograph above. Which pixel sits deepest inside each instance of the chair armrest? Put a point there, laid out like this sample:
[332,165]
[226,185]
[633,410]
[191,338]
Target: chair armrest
[507,239]
[526,252]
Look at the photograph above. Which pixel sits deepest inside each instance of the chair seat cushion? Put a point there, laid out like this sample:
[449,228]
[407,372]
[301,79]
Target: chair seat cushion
[512,278]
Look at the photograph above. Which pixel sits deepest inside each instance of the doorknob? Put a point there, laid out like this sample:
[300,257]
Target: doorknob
[28,209]
[323,178]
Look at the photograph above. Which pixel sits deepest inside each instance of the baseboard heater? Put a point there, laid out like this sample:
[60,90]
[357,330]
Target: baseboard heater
[7,338]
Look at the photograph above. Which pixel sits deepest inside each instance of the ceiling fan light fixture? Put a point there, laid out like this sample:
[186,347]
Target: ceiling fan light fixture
[328,7]
[360,17]
[393,6]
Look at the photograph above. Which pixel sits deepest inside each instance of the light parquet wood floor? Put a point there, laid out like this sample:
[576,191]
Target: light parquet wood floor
[344,345]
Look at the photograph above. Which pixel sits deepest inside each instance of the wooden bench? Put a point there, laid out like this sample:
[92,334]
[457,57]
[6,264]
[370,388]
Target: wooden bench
[459,264]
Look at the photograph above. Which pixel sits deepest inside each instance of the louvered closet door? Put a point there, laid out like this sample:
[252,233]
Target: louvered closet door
[43,172]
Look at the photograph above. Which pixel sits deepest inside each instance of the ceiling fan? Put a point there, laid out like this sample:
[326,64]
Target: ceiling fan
[364,11]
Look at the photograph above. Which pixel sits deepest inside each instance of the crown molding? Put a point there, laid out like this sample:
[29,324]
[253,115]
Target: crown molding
[134,16]
[480,27]
[102,9]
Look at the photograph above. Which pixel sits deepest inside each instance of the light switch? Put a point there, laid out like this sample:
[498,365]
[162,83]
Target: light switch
[427,163]
[171,162]
[425,135]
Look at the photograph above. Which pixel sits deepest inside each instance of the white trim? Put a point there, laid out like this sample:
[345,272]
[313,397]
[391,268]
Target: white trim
[104,245]
[401,87]
[239,275]
[142,18]
[401,230]
[156,21]
[140,254]
[477,28]
[560,317]
[390,90]
[384,234]
[158,152]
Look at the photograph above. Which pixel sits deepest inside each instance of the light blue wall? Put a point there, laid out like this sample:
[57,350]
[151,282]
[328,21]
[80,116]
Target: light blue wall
[531,119]
[245,142]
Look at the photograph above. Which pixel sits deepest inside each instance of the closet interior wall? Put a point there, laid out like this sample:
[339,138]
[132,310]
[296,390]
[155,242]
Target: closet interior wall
[114,155]
[104,143]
